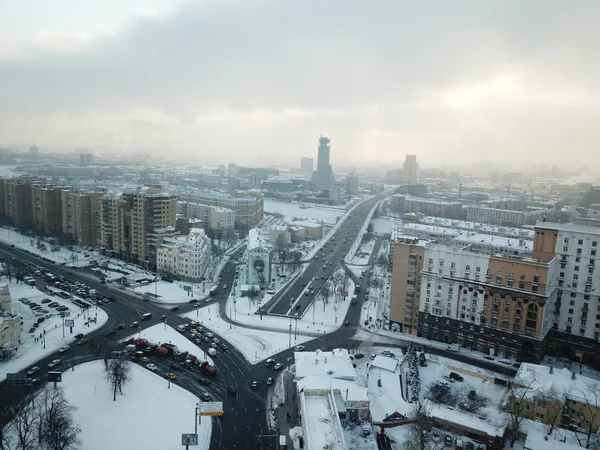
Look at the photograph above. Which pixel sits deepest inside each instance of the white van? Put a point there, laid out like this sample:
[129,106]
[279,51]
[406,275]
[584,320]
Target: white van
[212,351]
[181,328]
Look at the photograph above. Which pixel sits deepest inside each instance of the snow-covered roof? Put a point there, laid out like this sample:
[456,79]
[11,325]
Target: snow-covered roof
[384,362]
[279,179]
[476,226]
[385,396]
[436,201]
[305,223]
[465,419]
[349,389]
[541,382]
[541,441]
[496,241]
[255,240]
[333,364]
[569,227]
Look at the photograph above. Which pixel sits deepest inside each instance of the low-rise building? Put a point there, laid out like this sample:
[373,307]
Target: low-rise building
[215,218]
[305,230]
[185,257]
[507,217]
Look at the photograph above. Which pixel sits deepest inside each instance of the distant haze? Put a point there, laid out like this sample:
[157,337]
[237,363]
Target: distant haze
[256,81]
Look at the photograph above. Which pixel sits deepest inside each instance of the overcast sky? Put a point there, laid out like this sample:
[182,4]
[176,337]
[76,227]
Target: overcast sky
[255,81]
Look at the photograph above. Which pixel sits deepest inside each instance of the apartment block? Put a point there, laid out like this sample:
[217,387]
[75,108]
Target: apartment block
[18,200]
[506,217]
[428,206]
[185,257]
[215,218]
[132,223]
[407,264]
[577,312]
[47,209]
[498,305]
[80,216]
[248,205]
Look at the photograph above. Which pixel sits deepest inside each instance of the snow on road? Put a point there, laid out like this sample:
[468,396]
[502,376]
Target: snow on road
[148,415]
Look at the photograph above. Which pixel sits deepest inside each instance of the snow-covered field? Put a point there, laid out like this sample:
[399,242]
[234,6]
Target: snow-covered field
[384,225]
[76,257]
[30,351]
[326,214]
[147,416]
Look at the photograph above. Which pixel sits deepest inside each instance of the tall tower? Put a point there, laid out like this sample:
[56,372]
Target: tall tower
[410,168]
[323,176]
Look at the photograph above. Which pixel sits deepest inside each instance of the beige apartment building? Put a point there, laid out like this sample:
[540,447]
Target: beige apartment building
[248,206]
[133,223]
[47,209]
[80,216]
[407,258]
[18,200]
[214,218]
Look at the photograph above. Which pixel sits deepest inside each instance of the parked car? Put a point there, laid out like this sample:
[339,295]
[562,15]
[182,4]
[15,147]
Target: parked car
[456,376]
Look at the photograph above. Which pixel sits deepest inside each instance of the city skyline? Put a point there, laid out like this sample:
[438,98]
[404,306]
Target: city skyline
[452,85]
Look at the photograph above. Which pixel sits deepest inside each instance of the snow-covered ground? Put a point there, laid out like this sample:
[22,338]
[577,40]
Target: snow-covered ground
[164,333]
[384,225]
[326,214]
[56,336]
[147,416]
[362,255]
[60,254]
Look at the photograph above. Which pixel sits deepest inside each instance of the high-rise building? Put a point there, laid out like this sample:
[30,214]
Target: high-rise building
[307,164]
[410,168]
[18,200]
[47,209]
[80,216]
[407,264]
[324,178]
[133,223]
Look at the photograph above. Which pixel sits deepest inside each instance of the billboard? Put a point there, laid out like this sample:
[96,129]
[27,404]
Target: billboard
[69,323]
[211,408]
[55,377]
[189,439]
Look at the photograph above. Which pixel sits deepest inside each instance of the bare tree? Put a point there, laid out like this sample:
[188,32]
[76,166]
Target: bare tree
[418,435]
[101,349]
[589,413]
[325,293]
[56,426]
[23,426]
[518,406]
[340,281]
[552,403]
[118,373]
[253,293]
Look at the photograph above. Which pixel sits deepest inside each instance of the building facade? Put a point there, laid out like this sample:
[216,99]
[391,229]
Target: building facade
[248,206]
[47,209]
[185,258]
[307,165]
[80,216]
[410,168]
[215,218]
[498,305]
[259,258]
[407,264]
[429,206]
[324,178]
[506,217]
[132,223]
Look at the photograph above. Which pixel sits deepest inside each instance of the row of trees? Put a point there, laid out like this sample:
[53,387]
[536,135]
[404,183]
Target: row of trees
[413,379]
[45,424]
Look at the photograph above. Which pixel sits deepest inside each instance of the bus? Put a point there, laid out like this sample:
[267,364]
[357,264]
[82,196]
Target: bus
[213,291]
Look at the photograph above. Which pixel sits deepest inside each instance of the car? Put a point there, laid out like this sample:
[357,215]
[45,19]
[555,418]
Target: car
[254,385]
[170,375]
[194,300]
[81,341]
[54,363]
[144,359]
[347,323]
[32,371]
[33,329]
[269,362]
[79,336]
[204,381]
[209,335]
[299,348]
[269,381]
[456,376]
[358,356]
[64,349]
[489,358]
[151,367]
[46,300]
[447,378]
[135,325]
[278,366]
[175,308]
[205,397]
[231,389]
[121,326]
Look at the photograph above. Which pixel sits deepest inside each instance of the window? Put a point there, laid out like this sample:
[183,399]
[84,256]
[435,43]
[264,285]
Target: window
[572,302]
[576,268]
[571,311]
[578,259]
[594,243]
[467,267]
[580,242]
[575,276]
[566,240]
[541,404]
[593,253]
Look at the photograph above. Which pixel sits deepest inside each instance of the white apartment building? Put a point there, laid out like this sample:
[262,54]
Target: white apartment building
[214,217]
[508,217]
[444,270]
[185,257]
[577,248]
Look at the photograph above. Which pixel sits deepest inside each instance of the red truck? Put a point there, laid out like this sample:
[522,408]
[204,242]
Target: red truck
[161,351]
[208,369]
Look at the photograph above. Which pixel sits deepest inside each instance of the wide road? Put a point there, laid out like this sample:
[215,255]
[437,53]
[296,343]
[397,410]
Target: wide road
[292,299]
[244,423]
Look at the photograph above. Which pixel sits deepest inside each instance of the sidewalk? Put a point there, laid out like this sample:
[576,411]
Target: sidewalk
[286,414]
